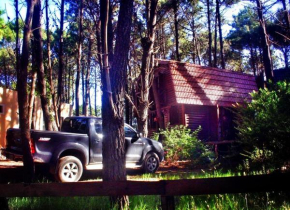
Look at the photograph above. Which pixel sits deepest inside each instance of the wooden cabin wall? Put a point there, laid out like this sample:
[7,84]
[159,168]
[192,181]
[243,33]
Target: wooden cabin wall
[204,116]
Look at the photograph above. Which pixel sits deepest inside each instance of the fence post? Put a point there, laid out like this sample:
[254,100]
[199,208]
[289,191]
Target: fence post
[167,203]
[4,203]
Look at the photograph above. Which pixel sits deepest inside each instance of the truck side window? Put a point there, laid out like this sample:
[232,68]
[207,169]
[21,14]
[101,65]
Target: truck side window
[79,125]
[74,125]
[83,126]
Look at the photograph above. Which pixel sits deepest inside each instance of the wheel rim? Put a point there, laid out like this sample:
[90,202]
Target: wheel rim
[70,171]
[151,163]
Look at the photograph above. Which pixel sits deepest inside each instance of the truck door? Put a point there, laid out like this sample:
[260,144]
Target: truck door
[96,138]
[134,148]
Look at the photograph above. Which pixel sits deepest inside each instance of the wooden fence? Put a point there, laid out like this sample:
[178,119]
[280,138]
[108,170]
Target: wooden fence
[167,189]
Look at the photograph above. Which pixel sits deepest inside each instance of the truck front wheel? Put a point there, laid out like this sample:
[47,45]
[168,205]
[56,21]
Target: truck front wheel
[151,163]
[69,169]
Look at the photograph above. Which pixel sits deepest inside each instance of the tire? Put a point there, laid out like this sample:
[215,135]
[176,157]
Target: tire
[151,163]
[69,169]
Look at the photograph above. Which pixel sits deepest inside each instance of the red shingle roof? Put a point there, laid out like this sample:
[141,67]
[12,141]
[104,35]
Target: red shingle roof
[199,85]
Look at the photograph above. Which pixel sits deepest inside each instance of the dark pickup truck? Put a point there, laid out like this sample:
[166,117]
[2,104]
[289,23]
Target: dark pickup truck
[79,146]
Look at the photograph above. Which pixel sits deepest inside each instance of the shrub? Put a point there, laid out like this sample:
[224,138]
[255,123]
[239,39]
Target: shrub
[264,126]
[181,143]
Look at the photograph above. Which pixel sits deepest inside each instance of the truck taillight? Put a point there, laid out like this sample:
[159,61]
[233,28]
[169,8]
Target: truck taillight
[32,146]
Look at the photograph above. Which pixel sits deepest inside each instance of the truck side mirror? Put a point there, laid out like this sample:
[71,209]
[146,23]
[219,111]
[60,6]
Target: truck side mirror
[135,137]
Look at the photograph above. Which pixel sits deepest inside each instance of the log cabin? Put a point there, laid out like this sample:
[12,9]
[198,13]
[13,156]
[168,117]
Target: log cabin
[194,95]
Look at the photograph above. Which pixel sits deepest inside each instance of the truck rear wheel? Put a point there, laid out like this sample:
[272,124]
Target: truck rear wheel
[69,169]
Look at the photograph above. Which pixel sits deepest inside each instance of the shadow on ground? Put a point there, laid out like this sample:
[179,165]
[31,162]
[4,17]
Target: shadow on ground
[12,172]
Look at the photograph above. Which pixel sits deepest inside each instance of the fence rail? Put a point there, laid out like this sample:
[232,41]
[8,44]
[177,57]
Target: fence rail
[167,189]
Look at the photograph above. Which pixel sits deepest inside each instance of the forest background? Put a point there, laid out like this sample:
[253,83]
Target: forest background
[62,50]
[226,30]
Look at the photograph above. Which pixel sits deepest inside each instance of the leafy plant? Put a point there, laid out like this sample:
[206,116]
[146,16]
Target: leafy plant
[181,143]
[264,126]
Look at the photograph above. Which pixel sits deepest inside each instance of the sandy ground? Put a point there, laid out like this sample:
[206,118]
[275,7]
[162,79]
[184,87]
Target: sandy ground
[10,164]
[11,171]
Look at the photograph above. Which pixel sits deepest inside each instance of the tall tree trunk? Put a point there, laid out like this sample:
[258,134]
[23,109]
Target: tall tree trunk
[49,68]
[253,60]
[127,106]
[17,48]
[175,10]
[267,60]
[38,59]
[33,118]
[61,64]
[79,59]
[69,84]
[285,53]
[286,14]
[22,95]
[209,33]
[88,76]
[147,73]
[113,95]
[66,80]
[5,72]
[32,97]
[4,203]
[96,93]
[90,105]
[223,65]
[83,89]
[215,42]
[193,41]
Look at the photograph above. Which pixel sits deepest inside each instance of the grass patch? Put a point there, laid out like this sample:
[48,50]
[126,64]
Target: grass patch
[261,201]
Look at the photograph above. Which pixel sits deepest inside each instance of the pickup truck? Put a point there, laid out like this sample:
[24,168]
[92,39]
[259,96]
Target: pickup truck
[79,146]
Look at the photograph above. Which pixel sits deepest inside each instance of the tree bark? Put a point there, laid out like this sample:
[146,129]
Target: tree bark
[113,95]
[147,73]
[223,65]
[38,59]
[4,203]
[17,48]
[79,59]
[267,60]
[285,54]
[83,89]
[22,96]
[175,10]
[61,64]
[286,14]
[51,83]
[32,97]
[215,42]
[209,33]
[88,76]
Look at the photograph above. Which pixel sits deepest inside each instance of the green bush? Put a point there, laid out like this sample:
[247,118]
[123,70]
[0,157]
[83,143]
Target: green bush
[181,143]
[264,126]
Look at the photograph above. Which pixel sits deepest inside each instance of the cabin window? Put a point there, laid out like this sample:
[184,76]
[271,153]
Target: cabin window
[1,109]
